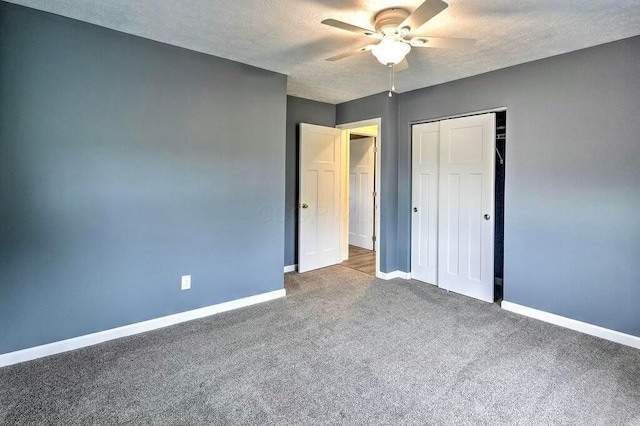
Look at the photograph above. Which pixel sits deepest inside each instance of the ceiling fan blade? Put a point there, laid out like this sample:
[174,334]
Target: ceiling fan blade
[401,66]
[441,42]
[353,52]
[352,28]
[423,13]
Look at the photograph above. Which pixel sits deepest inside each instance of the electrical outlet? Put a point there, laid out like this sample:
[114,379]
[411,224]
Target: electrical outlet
[185,284]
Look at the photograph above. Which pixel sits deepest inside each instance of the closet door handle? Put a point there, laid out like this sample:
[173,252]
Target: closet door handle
[487,217]
[415,210]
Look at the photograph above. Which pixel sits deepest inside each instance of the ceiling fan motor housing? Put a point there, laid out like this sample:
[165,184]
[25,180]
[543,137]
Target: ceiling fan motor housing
[387,21]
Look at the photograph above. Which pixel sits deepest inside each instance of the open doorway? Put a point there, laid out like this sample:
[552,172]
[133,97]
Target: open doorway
[361,196]
[325,189]
[361,232]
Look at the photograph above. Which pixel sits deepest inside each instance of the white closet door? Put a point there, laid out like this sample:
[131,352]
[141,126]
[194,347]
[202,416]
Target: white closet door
[319,235]
[466,206]
[361,170]
[424,220]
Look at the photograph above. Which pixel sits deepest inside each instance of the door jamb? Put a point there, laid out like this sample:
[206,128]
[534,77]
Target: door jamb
[378,200]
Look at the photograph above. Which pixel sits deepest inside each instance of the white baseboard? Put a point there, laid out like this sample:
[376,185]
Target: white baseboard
[290,268]
[128,330]
[583,327]
[394,274]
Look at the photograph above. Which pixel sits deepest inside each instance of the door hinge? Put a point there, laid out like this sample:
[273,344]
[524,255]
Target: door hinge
[373,238]
[375,193]
[375,149]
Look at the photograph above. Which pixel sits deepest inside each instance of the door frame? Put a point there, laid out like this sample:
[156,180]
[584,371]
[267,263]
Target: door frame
[432,120]
[448,117]
[346,127]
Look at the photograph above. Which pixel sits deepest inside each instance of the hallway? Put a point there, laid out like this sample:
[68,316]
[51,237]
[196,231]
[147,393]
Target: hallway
[362,260]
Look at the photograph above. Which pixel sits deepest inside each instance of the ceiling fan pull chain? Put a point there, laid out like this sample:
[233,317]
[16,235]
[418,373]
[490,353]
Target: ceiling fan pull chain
[391,80]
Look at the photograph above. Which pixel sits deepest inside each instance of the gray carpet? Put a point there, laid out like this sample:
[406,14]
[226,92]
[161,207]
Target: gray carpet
[343,347]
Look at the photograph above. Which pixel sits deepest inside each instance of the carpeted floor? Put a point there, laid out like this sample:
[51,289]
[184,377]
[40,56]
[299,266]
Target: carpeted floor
[343,347]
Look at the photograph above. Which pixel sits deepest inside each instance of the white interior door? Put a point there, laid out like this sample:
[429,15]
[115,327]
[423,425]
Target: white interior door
[466,206]
[424,187]
[319,238]
[361,172]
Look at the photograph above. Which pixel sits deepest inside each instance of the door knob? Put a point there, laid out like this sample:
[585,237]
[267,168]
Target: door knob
[415,210]
[304,206]
[487,217]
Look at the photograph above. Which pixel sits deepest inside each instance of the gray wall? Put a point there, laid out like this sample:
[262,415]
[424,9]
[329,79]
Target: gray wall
[572,202]
[124,164]
[386,108]
[299,111]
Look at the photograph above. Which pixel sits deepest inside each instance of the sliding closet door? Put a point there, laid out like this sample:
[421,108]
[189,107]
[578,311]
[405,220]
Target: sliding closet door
[424,210]
[466,206]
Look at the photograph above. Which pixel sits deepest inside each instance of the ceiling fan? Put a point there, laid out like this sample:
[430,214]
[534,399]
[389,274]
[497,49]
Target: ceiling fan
[395,28]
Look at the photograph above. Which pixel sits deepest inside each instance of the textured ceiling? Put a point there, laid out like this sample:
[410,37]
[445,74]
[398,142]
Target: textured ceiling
[286,36]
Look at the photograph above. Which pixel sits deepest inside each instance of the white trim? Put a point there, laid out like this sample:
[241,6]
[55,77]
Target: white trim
[404,275]
[290,268]
[379,143]
[583,327]
[387,275]
[128,330]
[394,274]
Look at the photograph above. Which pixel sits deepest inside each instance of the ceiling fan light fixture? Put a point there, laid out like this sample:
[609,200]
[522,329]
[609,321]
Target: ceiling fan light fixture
[390,51]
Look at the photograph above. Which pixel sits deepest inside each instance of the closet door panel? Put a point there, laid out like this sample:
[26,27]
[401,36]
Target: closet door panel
[424,210]
[466,206]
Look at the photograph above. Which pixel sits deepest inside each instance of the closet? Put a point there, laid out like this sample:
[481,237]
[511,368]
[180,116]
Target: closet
[453,204]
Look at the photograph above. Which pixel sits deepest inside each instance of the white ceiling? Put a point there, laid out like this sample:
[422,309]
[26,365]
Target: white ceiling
[286,36]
